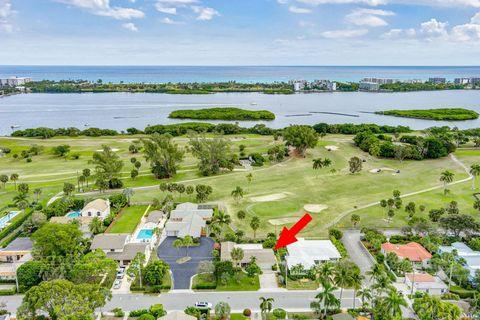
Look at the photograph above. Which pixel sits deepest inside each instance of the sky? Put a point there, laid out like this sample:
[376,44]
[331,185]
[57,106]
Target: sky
[240,32]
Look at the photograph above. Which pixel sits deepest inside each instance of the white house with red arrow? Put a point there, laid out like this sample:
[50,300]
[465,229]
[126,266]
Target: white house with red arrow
[309,253]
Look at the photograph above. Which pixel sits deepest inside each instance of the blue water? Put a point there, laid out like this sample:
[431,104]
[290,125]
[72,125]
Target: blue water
[6,218]
[246,74]
[145,234]
[74,214]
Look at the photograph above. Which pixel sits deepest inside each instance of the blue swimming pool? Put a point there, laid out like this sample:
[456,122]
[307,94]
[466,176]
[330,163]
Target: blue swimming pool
[7,217]
[74,214]
[145,234]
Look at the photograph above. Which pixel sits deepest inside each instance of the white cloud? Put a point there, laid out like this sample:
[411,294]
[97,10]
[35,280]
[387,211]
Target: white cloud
[282,1]
[296,9]
[130,26]
[476,19]
[103,8]
[205,13]
[466,32]
[368,17]
[5,12]
[306,24]
[5,9]
[167,20]
[400,34]
[433,3]
[167,10]
[433,29]
[341,34]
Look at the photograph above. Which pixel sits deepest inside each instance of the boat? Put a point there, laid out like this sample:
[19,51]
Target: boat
[15,126]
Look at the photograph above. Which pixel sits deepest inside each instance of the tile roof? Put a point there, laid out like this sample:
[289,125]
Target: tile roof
[413,251]
[107,241]
[98,204]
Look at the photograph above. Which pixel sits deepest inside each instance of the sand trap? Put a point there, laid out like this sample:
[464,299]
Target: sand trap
[331,148]
[380,170]
[270,197]
[280,221]
[113,149]
[315,208]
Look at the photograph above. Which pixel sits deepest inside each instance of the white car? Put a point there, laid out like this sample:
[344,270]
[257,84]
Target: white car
[203,305]
[117,284]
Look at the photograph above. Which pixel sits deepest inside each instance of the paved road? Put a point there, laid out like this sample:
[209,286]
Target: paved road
[289,300]
[182,273]
[351,240]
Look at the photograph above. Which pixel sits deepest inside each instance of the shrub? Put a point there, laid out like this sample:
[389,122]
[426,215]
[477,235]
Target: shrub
[247,312]
[157,310]
[146,316]
[118,312]
[337,234]
[280,313]
[137,313]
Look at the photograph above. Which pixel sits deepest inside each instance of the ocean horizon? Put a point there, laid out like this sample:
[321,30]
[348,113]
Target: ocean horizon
[245,74]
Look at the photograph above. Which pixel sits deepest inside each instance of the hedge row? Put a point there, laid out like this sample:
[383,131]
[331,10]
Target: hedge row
[205,286]
[340,247]
[8,292]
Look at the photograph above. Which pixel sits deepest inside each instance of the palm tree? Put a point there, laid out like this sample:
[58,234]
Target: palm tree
[393,302]
[475,172]
[96,226]
[222,219]
[356,280]
[238,193]
[327,297]
[266,305]
[81,180]
[355,219]
[254,224]
[342,277]
[178,243]
[325,271]
[327,162]
[37,192]
[187,243]
[237,255]
[446,177]
[128,192]
[86,173]
[317,164]
[14,177]
[366,295]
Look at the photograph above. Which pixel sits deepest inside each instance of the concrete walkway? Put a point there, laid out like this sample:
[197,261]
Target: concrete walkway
[268,280]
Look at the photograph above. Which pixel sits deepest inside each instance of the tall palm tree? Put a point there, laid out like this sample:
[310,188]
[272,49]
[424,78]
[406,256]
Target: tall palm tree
[238,193]
[266,305]
[446,177]
[475,172]
[393,302]
[325,271]
[14,177]
[96,226]
[327,297]
[128,192]
[255,224]
[366,295]
[222,219]
[237,255]
[342,277]
[356,280]
[37,192]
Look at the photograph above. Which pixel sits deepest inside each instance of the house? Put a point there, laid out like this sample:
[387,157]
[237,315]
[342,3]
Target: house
[469,256]
[264,258]
[425,283]
[97,208]
[368,86]
[118,247]
[309,253]
[177,315]
[412,251]
[14,81]
[17,249]
[188,219]
[13,256]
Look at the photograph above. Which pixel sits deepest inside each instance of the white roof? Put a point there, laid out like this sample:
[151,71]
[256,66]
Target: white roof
[462,249]
[189,225]
[98,204]
[311,252]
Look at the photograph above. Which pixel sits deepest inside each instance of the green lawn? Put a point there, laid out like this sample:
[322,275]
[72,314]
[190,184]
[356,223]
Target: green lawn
[294,179]
[128,219]
[240,282]
[304,284]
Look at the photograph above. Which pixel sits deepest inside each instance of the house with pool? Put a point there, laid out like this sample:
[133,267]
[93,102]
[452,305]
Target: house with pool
[99,208]
[189,219]
[120,247]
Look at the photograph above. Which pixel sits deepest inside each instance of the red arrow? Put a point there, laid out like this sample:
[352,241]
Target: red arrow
[288,236]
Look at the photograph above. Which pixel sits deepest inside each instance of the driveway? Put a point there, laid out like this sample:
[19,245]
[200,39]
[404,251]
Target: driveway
[183,272]
[351,240]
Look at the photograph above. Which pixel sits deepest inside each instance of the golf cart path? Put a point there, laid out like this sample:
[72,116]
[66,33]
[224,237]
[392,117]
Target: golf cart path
[346,213]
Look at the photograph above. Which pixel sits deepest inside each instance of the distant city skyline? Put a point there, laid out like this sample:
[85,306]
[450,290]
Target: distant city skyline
[247,32]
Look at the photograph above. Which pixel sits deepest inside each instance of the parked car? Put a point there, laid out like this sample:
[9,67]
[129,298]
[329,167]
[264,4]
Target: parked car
[117,284]
[122,269]
[203,305]
[120,275]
